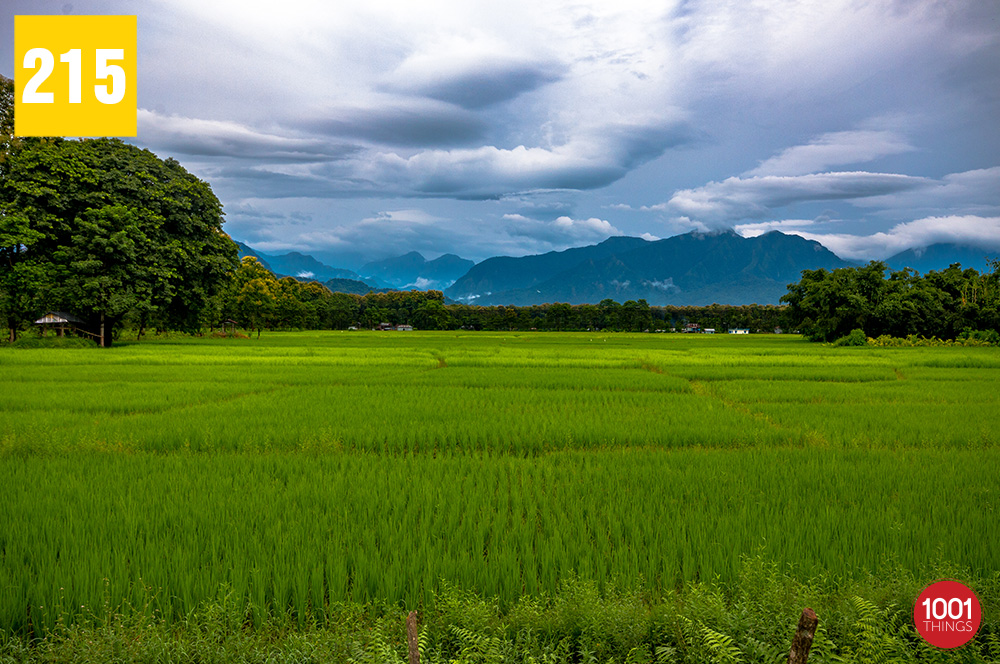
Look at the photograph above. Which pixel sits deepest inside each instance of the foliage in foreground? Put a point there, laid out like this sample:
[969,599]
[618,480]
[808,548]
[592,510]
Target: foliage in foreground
[752,620]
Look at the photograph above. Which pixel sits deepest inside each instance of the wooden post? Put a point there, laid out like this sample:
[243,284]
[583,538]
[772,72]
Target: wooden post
[411,637]
[803,639]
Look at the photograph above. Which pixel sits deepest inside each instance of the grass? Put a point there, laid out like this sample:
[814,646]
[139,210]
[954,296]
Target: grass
[290,477]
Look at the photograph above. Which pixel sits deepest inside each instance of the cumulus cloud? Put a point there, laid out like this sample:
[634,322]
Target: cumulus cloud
[833,149]
[562,233]
[783,225]
[754,197]
[970,230]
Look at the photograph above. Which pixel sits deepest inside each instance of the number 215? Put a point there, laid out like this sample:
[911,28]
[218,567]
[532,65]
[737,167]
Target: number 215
[105,93]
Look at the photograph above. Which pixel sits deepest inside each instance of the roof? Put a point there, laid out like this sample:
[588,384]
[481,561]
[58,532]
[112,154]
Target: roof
[58,317]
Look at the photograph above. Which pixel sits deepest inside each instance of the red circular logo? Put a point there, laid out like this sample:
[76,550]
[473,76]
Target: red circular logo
[947,614]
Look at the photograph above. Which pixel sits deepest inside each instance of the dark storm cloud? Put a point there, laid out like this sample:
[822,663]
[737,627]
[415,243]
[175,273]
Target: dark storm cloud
[209,138]
[482,173]
[406,124]
[473,84]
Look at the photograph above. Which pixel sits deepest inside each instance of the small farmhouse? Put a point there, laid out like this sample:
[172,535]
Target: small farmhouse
[59,321]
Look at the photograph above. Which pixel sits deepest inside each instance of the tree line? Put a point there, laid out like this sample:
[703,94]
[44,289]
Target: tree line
[256,299]
[828,305]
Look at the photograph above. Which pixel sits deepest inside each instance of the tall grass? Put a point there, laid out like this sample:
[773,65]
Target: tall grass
[307,470]
[302,531]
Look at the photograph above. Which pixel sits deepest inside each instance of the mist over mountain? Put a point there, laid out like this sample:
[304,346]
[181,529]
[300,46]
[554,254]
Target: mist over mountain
[300,266]
[412,270]
[940,256]
[690,269]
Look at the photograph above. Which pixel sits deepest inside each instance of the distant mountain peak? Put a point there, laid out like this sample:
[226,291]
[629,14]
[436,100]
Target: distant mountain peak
[413,270]
[296,264]
[696,268]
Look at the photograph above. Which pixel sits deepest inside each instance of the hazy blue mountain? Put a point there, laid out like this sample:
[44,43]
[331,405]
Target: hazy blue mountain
[300,266]
[691,269]
[247,250]
[940,256]
[412,270]
[505,273]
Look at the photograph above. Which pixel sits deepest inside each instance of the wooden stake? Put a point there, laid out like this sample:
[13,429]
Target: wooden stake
[803,639]
[411,637]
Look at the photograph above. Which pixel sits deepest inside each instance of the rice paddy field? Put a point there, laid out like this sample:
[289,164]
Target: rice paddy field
[301,471]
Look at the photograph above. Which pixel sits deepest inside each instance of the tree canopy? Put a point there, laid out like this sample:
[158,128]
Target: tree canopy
[103,229]
[827,305]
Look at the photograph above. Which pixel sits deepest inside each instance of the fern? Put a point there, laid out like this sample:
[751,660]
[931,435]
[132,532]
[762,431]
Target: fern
[720,646]
[880,634]
[665,654]
[479,647]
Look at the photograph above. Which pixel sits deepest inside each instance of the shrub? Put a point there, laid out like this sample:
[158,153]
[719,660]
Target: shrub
[857,337]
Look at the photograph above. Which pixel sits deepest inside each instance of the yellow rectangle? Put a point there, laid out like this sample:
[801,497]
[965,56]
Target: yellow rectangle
[79,76]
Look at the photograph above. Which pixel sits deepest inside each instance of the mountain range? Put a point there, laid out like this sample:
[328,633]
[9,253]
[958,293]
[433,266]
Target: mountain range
[940,256]
[412,270]
[691,269]
[300,266]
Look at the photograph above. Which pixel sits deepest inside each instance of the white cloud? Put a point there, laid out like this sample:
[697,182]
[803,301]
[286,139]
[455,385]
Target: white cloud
[833,149]
[217,138]
[742,198]
[783,225]
[472,71]
[766,50]
[971,192]
[969,229]
[562,233]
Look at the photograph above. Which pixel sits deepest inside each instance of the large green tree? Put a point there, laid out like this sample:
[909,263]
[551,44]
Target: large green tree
[828,305]
[102,229]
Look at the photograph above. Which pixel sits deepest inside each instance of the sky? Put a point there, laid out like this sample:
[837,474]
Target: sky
[355,131]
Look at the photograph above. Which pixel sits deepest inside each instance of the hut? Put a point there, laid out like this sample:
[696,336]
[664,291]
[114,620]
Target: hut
[60,321]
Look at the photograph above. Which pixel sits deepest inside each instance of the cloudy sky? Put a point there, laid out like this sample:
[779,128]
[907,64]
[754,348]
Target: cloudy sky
[360,130]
